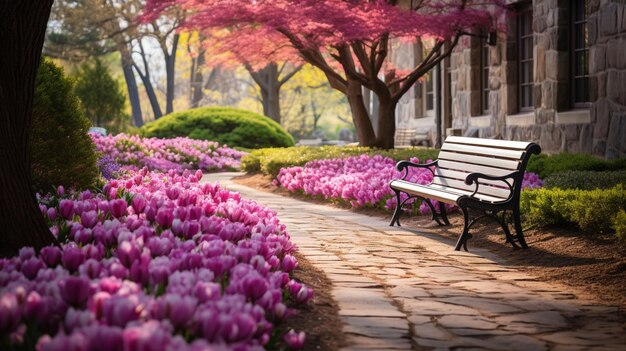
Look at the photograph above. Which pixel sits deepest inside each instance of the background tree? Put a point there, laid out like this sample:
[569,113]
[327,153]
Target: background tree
[348,40]
[22,31]
[101,99]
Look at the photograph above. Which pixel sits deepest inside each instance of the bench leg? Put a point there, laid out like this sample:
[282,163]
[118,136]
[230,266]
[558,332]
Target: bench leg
[395,219]
[505,227]
[518,228]
[465,235]
[441,220]
[443,213]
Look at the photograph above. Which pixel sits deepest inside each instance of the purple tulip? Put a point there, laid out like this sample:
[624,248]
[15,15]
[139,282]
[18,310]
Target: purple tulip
[75,291]
[190,228]
[31,267]
[9,313]
[66,208]
[72,258]
[295,341]
[90,269]
[60,190]
[89,219]
[139,203]
[289,263]
[52,213]
[35,308]
[151,335]
[127,253]
[164,217]
[75,319]
[119,310]
[51,255]
[118,208]
[254,286]
[103,337]
[173,193]
[178,309]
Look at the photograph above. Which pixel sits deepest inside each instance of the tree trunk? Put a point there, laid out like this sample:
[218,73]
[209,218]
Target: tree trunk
[362,122]
[170,70]
[270,97]
[22,30]
[196,81]
[133,92]
[386,123]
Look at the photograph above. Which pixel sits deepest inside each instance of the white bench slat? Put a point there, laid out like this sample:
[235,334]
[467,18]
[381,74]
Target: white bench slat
[437,192]
[505,144]
[480,160]
[498,172]
[460,175]
[485,151]
[503,194]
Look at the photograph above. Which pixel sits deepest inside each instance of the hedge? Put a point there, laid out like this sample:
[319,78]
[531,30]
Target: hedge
[62,151]
[585,180]
[270,160]
[230,126]
[619,225]
[591,210]
[546,165]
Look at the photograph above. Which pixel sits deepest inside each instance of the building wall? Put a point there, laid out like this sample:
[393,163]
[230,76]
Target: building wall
[599,128]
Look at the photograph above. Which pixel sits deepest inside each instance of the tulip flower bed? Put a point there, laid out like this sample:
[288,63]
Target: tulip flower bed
[165,154]
[360,181]
[157,261]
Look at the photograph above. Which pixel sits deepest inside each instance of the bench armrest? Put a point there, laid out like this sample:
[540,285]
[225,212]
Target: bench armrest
[474,177]
[404,166]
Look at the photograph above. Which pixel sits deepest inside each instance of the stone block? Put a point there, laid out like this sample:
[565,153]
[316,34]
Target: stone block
[597,58]
[616,143]
[544,116]
[602,114]
[599,147]
[551,138]
[551,64]
[547,95]
[539,64]
[537,97]
[593,88]
[540,23]
[601,79]
[593,5]
[613,51]
[586,138]
[607,20]
[571,132]
[622,20]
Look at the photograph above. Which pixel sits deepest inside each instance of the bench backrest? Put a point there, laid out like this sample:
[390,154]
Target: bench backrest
[460,156]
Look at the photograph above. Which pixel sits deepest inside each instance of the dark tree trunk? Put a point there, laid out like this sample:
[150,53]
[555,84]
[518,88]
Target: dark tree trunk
[386,124]
[22,30]
[270,97]
[196,81]
[133,92]
[147,83]
[170,70]
[362,121]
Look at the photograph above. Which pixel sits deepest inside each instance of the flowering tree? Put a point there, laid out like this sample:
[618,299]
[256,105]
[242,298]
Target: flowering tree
[348,40]
[22,29]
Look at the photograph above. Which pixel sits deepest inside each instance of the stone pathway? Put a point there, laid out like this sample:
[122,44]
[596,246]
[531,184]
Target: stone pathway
[399,289]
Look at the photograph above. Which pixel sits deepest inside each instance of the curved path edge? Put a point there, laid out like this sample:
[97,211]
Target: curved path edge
[402,289]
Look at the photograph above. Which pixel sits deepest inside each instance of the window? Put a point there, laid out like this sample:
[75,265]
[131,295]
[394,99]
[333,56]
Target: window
[579,53]
[484,74]
[429,93]
[525,57]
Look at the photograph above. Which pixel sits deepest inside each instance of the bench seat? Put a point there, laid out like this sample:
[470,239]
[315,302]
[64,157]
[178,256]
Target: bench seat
[472,173]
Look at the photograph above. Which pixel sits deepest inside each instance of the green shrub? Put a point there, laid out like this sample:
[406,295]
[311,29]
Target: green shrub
[586,180]
[270,160]
[234,127]
[591,210]
[546,165]
[619,225]
[62,152]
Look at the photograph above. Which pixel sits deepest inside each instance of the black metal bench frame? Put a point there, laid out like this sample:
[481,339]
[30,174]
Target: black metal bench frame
[496,210]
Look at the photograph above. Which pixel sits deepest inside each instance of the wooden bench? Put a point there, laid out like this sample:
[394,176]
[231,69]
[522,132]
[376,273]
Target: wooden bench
[472,173]
[408,137]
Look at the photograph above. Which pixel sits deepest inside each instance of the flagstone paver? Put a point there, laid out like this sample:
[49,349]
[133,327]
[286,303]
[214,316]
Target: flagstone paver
[402,289]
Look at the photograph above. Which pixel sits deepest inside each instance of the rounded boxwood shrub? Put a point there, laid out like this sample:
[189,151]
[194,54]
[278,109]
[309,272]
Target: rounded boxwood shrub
[234,127]
[62,151]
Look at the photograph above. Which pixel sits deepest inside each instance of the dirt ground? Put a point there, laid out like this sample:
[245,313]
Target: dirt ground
[593,264]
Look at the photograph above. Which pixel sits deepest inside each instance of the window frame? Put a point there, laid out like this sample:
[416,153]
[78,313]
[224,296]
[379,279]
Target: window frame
[574,50]
[525,13]
[484,74]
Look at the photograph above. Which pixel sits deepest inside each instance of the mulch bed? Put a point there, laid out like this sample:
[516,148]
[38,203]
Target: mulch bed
[594,265]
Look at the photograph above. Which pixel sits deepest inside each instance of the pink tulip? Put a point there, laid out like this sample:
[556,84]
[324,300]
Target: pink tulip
[295,341]
[164,217]
[127,253]
[31,267]
[51,255]
[72,258]
[67,208]
[89,219]
[60,190]
[9,313]
[289,263]
[118,208]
